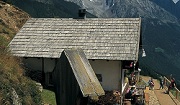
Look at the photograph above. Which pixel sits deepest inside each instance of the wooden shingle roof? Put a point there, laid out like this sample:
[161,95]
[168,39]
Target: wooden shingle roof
[100,38]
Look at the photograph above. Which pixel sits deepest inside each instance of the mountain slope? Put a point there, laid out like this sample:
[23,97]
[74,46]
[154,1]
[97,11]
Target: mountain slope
[12,17]
[98,8]
[161,43]
[160,35]
[143,8]
[178,9]
[175,1]
[11,20]
[49,8]
[169,6]
[14,86]
[95,7]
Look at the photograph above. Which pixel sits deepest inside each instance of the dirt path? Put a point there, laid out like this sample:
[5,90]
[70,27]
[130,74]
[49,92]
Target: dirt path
[158,97]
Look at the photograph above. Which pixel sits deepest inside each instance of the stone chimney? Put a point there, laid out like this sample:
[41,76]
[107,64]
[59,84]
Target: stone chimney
[82,13]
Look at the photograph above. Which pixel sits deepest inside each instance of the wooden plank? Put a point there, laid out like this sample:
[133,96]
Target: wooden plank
[84,74]
[146,96]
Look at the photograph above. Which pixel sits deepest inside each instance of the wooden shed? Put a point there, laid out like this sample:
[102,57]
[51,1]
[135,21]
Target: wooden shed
[106,42]
[74,78]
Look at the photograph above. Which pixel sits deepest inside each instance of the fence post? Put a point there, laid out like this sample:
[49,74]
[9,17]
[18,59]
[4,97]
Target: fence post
[164,81]
[177,93]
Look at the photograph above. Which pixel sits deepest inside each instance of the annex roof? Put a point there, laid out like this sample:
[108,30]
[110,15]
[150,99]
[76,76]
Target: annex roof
[100,38]
[84,73]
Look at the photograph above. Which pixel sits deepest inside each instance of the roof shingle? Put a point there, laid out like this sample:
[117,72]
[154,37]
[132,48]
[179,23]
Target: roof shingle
[100,38]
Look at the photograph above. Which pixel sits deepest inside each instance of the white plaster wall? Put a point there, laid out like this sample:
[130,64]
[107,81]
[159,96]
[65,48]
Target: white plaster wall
[111,73]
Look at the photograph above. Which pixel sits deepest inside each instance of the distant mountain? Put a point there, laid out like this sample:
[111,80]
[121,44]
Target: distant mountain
[178,9]
[143,8]
[48,8]
[95,7]
[160,34]
[161,42]
[175,1]
[169,6]
[160,30]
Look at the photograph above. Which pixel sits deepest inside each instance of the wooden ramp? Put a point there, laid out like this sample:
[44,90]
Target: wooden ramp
[157,96]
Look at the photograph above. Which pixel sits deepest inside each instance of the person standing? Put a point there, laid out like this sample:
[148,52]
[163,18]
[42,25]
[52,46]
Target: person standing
[161,83]
[172,85]
[132,95]
[151,84]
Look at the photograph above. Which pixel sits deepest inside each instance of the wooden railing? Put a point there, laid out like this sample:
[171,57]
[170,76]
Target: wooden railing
[177,92]
[125,89]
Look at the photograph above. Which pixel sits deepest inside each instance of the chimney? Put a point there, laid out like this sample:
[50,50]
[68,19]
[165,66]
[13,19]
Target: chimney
[82,13]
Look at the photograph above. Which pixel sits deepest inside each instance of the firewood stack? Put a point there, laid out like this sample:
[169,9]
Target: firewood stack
[110,97]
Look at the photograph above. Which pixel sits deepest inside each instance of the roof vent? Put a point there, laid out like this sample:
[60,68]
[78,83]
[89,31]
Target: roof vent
[82,13]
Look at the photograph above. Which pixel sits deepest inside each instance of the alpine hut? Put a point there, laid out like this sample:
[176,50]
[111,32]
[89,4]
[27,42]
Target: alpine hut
[79,56]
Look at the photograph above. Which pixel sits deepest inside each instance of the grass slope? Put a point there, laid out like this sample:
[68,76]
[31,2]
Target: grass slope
[11,71]
[48,96]
[12,76]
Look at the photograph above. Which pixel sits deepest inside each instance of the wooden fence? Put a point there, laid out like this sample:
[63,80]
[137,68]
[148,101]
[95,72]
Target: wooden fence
[177,92]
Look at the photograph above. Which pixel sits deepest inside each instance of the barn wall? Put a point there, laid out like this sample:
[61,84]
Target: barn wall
[36,64]
[46,65]
[49,64]
[66,86]
[33,63]
[110,71]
